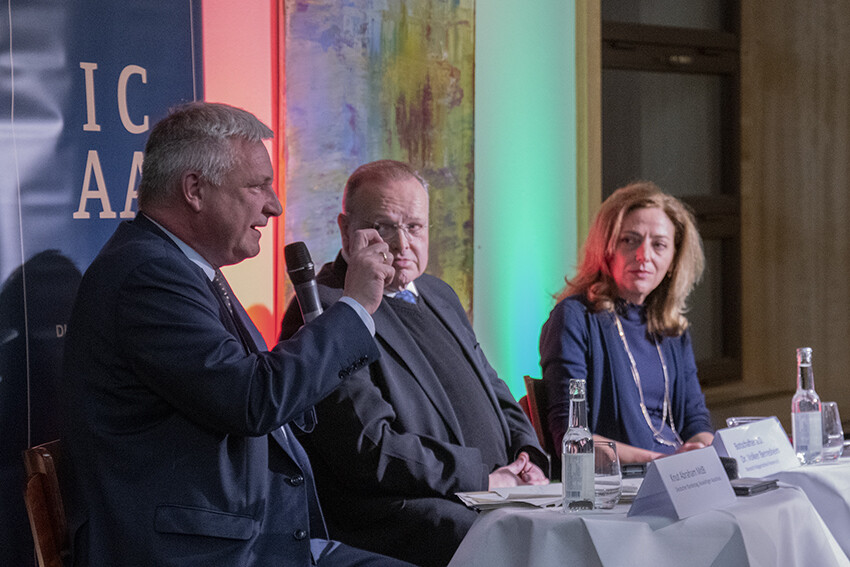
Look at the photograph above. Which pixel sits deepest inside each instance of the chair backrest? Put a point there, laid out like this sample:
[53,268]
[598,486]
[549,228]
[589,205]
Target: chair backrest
[538,407]
[44,503]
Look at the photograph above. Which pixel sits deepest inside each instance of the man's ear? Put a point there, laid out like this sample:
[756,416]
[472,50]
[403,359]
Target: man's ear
[343,221]
[192,190]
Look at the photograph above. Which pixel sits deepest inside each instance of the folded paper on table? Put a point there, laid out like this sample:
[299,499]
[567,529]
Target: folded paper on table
[536,495]
[684,485]
[761,448]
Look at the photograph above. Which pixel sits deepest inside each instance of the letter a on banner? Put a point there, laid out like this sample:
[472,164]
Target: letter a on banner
[93,165]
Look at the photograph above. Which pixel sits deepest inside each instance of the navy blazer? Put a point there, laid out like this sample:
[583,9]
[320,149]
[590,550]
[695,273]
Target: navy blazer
[174,419]
[578,342]
[390,435]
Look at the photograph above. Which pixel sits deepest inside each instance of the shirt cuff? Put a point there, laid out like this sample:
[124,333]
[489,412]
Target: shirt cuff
[361,311]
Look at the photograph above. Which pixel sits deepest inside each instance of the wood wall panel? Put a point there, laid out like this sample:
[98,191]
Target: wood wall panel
[795,193]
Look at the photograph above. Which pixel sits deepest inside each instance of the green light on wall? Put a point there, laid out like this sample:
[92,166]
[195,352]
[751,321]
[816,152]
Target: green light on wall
[525,175]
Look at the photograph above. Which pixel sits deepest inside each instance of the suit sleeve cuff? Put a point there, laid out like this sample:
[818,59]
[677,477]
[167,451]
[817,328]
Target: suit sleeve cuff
[361,311]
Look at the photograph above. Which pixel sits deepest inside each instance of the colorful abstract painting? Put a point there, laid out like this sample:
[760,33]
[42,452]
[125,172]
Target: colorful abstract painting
[375,79]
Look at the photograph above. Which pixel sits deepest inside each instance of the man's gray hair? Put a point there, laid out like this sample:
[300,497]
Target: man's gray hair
[194,137]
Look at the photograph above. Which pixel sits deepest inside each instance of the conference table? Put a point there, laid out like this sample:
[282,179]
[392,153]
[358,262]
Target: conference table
[827,486]
[774,529]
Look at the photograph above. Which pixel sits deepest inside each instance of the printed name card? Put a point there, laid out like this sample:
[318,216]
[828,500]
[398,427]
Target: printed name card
[761,448]
[684,485]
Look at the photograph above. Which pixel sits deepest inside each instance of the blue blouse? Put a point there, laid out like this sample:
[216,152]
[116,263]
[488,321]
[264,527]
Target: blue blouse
[578,343]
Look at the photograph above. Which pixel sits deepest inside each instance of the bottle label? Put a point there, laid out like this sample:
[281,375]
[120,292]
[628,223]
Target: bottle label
[578,472]
[807,433]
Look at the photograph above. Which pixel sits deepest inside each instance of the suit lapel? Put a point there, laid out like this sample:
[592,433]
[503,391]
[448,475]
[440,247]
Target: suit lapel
[449,316]
[231,321]
[393,337]
[239,324]
[398,342]
[254,340]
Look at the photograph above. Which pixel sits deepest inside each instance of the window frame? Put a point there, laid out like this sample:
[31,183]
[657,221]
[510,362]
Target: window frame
[653,48]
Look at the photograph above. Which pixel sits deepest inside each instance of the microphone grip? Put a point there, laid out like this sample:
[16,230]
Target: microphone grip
[299,266]
[308,300]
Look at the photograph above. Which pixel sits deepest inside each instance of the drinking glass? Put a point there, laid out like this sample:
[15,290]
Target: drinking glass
[833,435]
[608,481]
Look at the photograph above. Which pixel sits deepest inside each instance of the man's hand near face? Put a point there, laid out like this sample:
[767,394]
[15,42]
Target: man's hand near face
[369,269]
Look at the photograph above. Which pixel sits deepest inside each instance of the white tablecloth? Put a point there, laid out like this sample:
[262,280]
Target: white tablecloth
[828,487]
[774,529]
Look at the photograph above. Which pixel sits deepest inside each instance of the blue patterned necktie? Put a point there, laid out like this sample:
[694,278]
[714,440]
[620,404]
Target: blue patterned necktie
[221,286]
[224,291]
[406,295]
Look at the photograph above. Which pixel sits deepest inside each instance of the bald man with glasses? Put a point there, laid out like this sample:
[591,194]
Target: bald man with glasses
[428,419]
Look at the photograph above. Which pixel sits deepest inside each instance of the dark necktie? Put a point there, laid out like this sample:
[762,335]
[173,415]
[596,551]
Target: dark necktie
[406,295]
[222,287]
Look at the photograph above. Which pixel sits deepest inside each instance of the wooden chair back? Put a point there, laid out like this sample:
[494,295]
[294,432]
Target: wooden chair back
[44,503]
[538,407]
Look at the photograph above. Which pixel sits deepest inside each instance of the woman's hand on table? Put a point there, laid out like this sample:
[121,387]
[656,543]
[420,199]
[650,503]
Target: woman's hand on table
[629,454]
[698,441]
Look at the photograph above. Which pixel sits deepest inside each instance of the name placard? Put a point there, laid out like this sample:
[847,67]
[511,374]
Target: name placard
[761,447]
[684,485]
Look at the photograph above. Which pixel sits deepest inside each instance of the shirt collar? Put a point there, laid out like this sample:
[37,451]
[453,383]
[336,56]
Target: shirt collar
[188,251]
[411,287]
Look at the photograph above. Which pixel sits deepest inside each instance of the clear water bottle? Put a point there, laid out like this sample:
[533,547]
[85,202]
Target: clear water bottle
[806,421]
[577,454]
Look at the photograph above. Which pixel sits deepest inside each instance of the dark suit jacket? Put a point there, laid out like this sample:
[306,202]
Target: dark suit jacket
[174,421]
[388,450]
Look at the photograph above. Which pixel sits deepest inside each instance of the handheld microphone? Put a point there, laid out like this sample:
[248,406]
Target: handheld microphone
[299,266]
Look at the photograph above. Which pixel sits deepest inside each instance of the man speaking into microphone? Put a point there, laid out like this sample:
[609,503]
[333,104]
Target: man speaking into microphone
[430,418]
[178,431]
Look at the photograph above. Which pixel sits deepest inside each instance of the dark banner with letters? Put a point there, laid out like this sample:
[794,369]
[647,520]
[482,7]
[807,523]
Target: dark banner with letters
[81,83]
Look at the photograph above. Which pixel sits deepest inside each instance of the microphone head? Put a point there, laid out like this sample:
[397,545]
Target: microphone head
[299,265]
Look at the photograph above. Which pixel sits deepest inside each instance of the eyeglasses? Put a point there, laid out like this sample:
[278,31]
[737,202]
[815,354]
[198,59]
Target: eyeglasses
[388,231]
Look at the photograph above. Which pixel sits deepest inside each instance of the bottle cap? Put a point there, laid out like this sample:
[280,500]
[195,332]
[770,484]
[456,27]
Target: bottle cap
[577,388]
[804,355]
